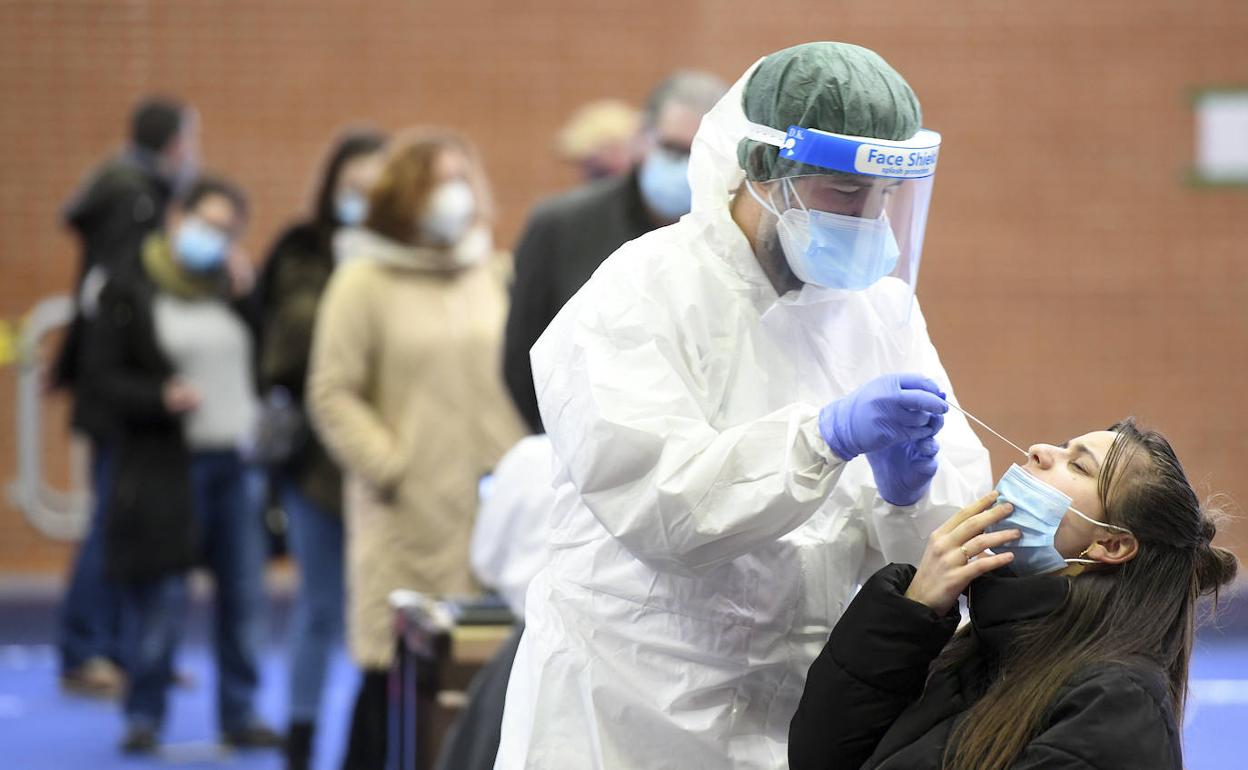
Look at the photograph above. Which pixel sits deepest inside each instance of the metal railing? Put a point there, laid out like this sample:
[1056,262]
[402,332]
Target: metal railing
[61,514]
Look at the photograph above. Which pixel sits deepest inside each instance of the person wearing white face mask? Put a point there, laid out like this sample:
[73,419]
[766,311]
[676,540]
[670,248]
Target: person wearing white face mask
[308,482]
[568,237]
[403,390]
[743,409]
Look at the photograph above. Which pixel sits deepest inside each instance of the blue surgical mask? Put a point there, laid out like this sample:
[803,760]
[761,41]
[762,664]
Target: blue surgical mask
[199,246]
[664,182]
[836,251]
[1038,512]
[351,208]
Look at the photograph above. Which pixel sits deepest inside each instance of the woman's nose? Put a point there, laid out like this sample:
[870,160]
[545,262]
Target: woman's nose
[1041,455]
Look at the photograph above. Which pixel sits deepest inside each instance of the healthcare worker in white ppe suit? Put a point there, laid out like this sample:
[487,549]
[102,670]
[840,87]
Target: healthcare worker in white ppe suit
[743,409]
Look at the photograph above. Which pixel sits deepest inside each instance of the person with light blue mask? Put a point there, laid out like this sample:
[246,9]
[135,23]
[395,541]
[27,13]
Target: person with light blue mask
[171,359]
[671,119]
[1082,573]
[568,237]
[748,418]
[308,482]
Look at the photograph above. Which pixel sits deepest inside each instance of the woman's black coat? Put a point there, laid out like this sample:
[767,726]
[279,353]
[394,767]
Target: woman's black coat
[869,702]
[150,522]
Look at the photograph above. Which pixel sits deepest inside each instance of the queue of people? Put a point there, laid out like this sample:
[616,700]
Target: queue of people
[743,537]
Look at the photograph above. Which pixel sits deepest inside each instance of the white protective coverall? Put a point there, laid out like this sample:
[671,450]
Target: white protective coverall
[705,539]
[512,529]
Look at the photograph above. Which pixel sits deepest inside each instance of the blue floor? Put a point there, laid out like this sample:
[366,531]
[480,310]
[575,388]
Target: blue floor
[1215,729]
[43,729]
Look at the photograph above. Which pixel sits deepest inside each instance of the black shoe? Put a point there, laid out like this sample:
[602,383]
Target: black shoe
[298,746]
[139,740]
[255,736]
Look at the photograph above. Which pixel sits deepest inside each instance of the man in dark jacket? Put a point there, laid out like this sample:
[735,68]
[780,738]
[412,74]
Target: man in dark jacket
[569,236]
[122,202]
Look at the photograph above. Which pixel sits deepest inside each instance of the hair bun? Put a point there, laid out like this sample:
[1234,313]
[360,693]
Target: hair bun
[1215,567]
[1208,529]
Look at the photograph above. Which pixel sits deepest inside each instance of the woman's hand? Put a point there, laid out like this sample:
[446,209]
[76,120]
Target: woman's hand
[179,396]
[955,553]
[242,272]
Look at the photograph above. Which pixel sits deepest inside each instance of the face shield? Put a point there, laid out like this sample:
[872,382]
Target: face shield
[852,216]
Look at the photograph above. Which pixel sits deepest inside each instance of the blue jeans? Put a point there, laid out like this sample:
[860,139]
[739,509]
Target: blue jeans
[90,617]
[232,543]
[156,610]
[315,540]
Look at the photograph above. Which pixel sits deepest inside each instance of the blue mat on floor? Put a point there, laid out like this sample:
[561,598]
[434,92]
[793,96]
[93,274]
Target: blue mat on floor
[43,729]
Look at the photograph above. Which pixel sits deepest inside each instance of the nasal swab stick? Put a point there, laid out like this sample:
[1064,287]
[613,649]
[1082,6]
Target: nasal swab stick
[985,427]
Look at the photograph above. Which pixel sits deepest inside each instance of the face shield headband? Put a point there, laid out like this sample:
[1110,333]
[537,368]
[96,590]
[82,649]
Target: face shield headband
[913,158]
[865,240]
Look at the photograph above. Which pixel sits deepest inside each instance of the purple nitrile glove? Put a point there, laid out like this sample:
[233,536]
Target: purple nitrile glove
[903,472]
[889,410]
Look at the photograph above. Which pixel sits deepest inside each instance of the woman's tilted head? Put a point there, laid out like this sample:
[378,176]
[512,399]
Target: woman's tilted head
[1130,498]
[1144,488]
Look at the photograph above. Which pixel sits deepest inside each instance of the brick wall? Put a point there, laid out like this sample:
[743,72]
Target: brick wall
[1071,275]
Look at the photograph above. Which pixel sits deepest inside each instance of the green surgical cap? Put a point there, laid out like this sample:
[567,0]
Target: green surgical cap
[836,87]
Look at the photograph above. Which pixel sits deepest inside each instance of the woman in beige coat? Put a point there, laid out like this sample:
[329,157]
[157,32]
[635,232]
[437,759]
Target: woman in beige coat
[404,390]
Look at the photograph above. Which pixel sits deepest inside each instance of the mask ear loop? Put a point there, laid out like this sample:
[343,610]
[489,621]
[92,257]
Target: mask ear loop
[765,204]
[1104,524]
[1080,562]
[788,188]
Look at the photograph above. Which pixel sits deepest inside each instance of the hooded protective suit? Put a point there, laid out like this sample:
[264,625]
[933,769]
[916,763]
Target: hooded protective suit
[705,539]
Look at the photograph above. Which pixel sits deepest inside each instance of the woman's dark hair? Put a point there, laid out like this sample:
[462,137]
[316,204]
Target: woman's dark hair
[1144,608]
[207,186]
[349,146]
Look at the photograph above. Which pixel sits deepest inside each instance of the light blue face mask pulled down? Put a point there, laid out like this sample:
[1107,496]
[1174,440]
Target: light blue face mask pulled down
[664,182]
[1038,512]
[199,246]
[836,251]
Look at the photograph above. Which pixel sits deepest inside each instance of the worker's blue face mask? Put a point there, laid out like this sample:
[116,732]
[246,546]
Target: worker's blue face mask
[1038,512]
[199,246]
[664,182]
[351,208]
[836,251]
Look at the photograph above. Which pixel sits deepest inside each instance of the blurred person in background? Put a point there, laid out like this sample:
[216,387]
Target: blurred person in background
[600,139]
[568,237]
[404,391]
[309,484]
[508,549]
[170,359]
[122,202]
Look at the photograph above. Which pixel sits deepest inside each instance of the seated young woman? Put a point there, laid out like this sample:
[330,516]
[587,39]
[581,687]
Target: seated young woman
[1082,572]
